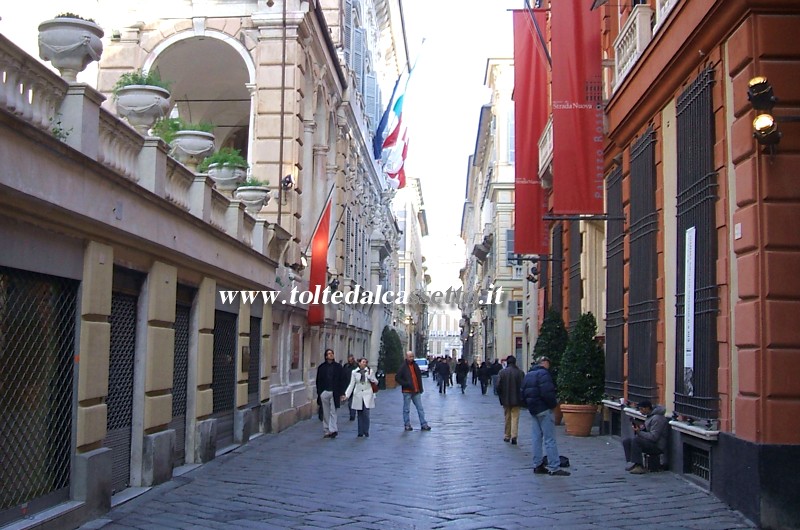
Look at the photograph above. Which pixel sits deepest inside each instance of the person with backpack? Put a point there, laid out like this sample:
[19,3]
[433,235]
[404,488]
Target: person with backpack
[539,394]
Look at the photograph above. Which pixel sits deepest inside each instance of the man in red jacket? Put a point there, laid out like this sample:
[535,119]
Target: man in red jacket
[409,378]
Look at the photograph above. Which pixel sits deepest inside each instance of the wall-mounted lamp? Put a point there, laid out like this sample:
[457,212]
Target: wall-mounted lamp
[334,285]
[533,276]
[304,260]
[765,126]
[287,182]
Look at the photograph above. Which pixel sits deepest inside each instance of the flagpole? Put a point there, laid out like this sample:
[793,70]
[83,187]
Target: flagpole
[539,34]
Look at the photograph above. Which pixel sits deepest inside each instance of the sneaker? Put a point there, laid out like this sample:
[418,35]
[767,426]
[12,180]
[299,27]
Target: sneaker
[409,428]
[629,466]
[540,470]
[326,435]
[334,434]
[426,427]
[360,435]
[513,441]
[506,439]
[559,473]
[366,434]
[637,470]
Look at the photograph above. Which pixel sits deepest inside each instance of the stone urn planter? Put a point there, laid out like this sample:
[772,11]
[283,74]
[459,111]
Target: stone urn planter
[70,44]
[227,177]
[191,147]
[142,105]
[253,197]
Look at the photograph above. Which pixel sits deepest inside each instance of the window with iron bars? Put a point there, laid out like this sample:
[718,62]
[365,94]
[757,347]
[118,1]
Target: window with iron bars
[615,310]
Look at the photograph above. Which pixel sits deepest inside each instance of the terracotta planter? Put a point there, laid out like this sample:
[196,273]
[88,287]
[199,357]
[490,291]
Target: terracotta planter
[191,147]
[390,381]
[142,105]
[70,44]
[579,418]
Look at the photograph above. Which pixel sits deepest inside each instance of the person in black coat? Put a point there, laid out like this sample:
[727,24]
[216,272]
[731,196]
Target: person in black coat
[539,394]
[484,373]
[462,371]
[331,387]
[443,376]
[509,383]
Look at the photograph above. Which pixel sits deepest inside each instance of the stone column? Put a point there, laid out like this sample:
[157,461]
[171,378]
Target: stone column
[201,433]
[91,482]
[241,415]
[264,394]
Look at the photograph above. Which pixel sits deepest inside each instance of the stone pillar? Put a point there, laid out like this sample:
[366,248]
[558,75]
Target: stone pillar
[201,433]
[80,118]
[157,443]
[241,414]
[92,480]
[264,393]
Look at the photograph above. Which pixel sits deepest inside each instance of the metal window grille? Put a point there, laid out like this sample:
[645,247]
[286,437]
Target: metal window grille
[696,389]
[223,376]
[697,462]
[575,284]
[253,374]
[179,381]
[615,311]
[120,386]
[37,346]
[642,297]
[558,272]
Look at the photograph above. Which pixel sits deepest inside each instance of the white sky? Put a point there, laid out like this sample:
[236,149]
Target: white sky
[442,108]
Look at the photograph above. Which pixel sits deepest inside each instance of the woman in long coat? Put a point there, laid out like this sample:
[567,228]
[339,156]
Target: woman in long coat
[360,388]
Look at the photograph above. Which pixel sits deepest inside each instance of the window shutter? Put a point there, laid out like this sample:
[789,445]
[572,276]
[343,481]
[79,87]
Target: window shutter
[347,32]
[510,258]
[370,94]
[348,247]
[358,57]
[511,137]
[512,308]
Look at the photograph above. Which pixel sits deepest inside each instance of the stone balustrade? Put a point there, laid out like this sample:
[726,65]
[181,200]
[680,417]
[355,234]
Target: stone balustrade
[633,38]
[72,114]
[663,9]
[546,147]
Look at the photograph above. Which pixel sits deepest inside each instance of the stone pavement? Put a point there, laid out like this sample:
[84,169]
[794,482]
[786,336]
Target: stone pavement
[460,475]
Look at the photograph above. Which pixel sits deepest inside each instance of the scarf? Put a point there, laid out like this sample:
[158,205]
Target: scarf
[363,374]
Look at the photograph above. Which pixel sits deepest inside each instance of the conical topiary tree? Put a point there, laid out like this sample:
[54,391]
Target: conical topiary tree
[582,375]
[552,340]
[392,350]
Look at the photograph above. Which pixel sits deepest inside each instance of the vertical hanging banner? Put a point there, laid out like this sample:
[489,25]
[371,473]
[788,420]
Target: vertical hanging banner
[319,266]
[530,118]
[577,109]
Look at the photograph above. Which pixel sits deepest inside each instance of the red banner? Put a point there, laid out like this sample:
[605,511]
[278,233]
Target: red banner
[319,266]
[530,117]
[577,109]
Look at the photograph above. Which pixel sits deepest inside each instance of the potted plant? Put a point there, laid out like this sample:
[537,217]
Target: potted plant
[391,355]
[552,341]
[253,193]
[70,43]
[227,167]
[581,377]
[142,98]
[190,143]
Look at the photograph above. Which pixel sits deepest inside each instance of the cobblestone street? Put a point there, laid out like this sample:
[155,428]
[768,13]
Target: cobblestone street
[461,475]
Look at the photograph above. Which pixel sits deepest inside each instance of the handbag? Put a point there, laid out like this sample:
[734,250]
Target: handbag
[374,387]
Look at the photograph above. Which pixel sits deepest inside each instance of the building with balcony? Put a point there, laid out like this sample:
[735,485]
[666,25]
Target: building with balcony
[694,280]
[127,347]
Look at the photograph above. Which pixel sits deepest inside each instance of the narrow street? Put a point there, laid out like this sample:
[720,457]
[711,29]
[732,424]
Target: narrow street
[460,475]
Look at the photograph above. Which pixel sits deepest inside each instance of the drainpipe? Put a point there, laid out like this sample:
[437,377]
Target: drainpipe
[283,117]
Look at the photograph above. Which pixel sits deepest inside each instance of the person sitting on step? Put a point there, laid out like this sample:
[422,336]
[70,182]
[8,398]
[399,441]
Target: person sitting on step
[650,438]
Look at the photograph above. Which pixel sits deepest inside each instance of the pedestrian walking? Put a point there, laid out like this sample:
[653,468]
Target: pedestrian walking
[474,370]
[330,387]
[361,395]
[443,376]
[484,372]
[539,394]
[462,371]
[494,370]
[509,383]
[348,368]
[410,379]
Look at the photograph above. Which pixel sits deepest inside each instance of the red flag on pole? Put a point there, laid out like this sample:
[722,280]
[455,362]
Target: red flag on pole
[530,118]
[319,265]
[577,109]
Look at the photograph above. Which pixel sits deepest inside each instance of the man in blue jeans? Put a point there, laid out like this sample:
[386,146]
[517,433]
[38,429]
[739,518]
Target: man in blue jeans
[539,394]
[409,378]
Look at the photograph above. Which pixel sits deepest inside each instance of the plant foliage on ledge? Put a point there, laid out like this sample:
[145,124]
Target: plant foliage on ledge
[227,156]
[73,15]
[254,182]
[137,77]
[165,128]
[581,379]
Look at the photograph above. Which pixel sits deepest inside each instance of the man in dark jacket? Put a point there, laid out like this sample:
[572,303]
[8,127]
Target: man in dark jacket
[347,370]
[509,383]
[462,371]
[409,378]
[443,376]
[650,438]
[539,394]
[329,390]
